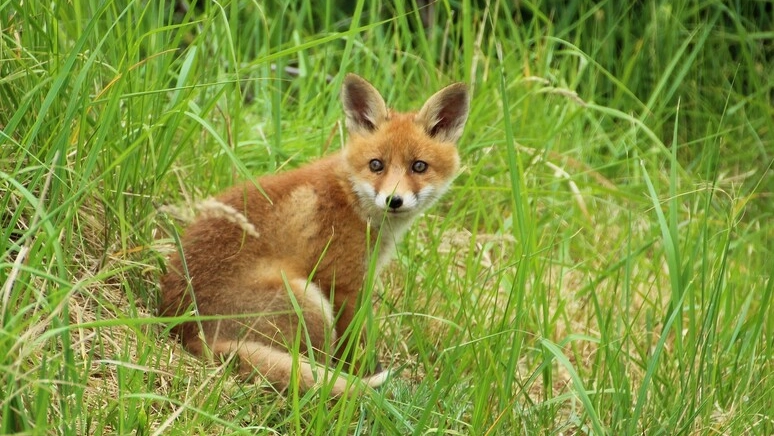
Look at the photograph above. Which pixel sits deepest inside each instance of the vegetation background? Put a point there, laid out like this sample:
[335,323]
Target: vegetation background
[602,265]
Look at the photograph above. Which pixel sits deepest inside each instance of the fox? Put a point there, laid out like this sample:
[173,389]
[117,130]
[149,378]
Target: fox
[287,254]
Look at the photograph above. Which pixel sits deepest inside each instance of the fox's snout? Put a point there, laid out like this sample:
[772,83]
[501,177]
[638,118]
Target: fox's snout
[398,191]
[394,201]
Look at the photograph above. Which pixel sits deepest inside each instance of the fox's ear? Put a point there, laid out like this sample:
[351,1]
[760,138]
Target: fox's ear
[364,107]
[444,114]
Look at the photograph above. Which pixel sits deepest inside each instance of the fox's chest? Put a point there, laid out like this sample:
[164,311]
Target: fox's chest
[319,226]
[350,249]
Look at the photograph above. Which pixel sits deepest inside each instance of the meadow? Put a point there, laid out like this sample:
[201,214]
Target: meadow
[601,265]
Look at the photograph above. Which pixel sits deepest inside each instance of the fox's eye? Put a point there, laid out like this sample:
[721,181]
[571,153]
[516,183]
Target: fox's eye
[375,165]
[419,166]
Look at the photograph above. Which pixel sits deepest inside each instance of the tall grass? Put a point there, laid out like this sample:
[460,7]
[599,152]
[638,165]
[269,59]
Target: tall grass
[602,264]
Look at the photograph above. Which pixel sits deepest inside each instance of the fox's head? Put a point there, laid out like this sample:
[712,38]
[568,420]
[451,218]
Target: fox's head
[401,163]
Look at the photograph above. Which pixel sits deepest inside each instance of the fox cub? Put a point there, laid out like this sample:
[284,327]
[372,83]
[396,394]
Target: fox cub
[284,257]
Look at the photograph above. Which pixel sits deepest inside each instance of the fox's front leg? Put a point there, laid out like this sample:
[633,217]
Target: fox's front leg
[350,347]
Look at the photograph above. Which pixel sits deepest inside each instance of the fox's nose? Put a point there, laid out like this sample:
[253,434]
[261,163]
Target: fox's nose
[394,201]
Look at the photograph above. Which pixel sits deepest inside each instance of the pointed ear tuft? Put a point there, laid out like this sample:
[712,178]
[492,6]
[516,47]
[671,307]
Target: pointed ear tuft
[364,107]
[444,114]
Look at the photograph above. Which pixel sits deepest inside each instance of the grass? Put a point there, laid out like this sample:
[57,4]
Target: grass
[602,264]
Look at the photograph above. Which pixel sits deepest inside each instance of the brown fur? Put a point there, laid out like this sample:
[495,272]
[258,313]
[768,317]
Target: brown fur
[306,238]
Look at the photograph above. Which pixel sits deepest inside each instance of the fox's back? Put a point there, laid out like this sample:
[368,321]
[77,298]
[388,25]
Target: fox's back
[300,221]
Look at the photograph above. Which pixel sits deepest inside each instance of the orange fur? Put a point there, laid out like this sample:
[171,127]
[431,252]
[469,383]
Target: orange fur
[306,239]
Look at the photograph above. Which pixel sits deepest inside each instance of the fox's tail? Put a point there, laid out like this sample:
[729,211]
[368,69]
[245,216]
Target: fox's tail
[276,366]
